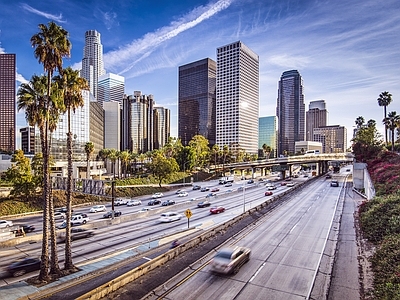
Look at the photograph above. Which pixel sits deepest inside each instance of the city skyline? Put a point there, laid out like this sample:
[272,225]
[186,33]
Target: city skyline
[347,53]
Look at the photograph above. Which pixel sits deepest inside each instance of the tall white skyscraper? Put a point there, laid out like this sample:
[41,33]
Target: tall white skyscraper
[92,62]
[111,87]
[237,100]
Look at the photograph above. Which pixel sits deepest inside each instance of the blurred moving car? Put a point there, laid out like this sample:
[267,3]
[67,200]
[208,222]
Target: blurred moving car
[217,210]
[5,224]
[196,187]
[290,184]
[97,208]
[203,204]
[183,194]
[335,183]
[168,202]
[230,260]
[145,209]
[268,193]
[179,191]
[204,189]
[271,187]
[22,266]
[108,214]
[215,190]
[250,181]
[283,183]
[228,184]
[157,195]
[133,202]
[120,201]
[28,228]
[59,215]
[154,202]
[328,176]
[76,233]
[169,217]
[62,209]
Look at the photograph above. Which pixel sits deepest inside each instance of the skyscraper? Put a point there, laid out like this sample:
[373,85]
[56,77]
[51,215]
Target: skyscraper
[333,138]
[290,110]
[111,87]
[267,134]
[237,101]
[92,62]
[316,116]
[162,131]
[7,102]
[196,108]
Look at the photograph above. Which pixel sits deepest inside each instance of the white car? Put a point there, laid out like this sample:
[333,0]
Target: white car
[157,195]
[133,202]
[5,224]
[120,201]
[97,208]
[59,215]
[183,194]
[169,217]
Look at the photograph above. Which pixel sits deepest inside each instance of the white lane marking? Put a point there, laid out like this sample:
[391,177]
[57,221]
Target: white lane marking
[256,273]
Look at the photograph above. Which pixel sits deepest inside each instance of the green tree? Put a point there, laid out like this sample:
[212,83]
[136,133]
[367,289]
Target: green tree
[125,158]
[113,157]
[89,149]
[162,167]
[384,99]
[391,122]
[21,175]
[267,150]
[367,142]
[199,144]
[360,122]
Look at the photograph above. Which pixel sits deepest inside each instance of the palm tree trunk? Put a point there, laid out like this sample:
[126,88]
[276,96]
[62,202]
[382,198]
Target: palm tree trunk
[386,135]
[68,265]
[393,139]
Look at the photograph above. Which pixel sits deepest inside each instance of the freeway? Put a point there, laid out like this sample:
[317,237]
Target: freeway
[142,228]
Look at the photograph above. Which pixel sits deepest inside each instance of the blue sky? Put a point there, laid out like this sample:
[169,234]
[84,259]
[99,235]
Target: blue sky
[347,52]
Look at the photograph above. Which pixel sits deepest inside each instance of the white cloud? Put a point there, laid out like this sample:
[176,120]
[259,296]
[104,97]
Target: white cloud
[43,14]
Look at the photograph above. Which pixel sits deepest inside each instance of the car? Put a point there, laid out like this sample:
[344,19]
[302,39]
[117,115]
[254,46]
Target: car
[228,184]
[211,195]
[230,259]
[77,233]
[22,266]
[168,202]
[169,217]
[295,175]
[59,215]
[145,209]
[154,202]
[108,214]
[80,214]
[347,170]
[203,204]
[179,191]
[78,220]
[97,208]
[261,179]
[271,187]
[215,190]
[290,184]
[157,195]
[217,210]
[196,187]
[28,228]
[288,179]
[204,189]
[328,176]
[5,224]
[283,183]
[133,202]
[250,181]
[268,193]
[183,194]
[121,201]
[334,183]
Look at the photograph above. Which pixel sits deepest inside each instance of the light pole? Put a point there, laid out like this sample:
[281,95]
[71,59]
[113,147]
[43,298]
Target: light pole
[184,171]
[244,201]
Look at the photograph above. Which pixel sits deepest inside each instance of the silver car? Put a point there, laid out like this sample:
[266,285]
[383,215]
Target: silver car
[230,260]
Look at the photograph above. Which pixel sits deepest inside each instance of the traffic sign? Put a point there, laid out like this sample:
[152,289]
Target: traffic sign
[188,213]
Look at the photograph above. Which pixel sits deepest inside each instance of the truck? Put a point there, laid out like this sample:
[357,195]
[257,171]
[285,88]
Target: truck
[226,179]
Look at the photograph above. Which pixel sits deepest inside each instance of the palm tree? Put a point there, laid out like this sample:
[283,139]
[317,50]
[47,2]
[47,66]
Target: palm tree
[384,99]
[72,85]
[125,157]
[267,149]
[359,122]
[391,122]
[89,149]
[113,156]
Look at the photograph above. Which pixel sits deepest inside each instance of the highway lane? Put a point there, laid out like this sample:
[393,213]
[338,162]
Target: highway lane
[286,249]
[141,230]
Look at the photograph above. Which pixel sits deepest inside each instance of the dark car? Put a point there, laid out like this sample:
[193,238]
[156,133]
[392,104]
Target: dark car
[154,202]
[77,233]
[334,183]
[168,202]
[25,265]
[328,176]
[217,210]
[250,181]
[28,228]
[204,189]
[108,214]
[62,209]
[196,187]
[283,183]
[268,193]
[203,204]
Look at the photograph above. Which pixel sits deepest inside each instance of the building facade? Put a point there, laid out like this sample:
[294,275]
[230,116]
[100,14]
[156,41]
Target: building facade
[28,139]
[290,111]
[162,130]
[96,130]
[196,100]
[333,138]
[111,87]
[112,125]
[92,61]
[237,99]
[316,116]
[267,134]
[7,102]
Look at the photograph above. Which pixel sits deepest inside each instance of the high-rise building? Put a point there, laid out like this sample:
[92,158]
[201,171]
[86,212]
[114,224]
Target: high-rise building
[333,138]
[316,116]
[196,100]
[28,139]
[290,111]
[237,100]
[7,102]
[111,87]
[92,61]
[112,125]
[96,129]
[267,131]
[162,131]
